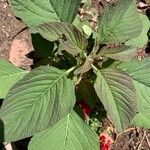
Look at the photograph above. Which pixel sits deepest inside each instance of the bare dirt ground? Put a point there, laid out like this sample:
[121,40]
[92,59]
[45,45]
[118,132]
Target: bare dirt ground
[15,44]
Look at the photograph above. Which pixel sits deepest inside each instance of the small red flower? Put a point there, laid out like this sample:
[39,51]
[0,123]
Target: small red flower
[85,108]
[106,141]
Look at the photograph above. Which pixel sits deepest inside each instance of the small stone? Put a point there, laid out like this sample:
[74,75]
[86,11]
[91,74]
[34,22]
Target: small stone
[5,6]
[141,5]
[19,49]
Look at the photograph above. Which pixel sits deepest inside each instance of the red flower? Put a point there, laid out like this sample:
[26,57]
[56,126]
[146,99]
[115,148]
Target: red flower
[85,108]
[106,141]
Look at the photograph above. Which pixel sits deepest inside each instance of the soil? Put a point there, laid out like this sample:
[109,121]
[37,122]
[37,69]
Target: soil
[15,44]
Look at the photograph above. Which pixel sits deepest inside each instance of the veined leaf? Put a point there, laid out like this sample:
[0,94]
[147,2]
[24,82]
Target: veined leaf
[86,4]
[87,30]
[36,102]
[117,93]
[140,72]
[119,22]
[9,75]
[142,39]
[138,69]
[35,12]
[69,133]
[71,38]
[122,53]
[142,120]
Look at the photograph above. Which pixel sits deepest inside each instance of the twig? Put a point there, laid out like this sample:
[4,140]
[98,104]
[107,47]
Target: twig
[129,129]
[148,142]
[140,144]
[8,146]
[20,31]
[127,142]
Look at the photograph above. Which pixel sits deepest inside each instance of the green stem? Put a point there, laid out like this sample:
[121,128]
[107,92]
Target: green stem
[70,70]
[94,68]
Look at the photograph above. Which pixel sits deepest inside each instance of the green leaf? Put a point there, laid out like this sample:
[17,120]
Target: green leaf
[138,69]
[87,30]
[86,4]
[72,39]
[78,23]
[35,12]
[142,120]
[140,72]
[36,102]
[117,93]
[69,133]
[9,75]
[119,22]
[142,39]
[122,53]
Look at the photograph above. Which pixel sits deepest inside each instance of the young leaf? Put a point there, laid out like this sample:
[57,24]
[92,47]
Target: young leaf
[142,39]
[9,75]
[117,93]
[140,72]
[71,38]
[122,53]
[69,133]
[119,22]
[36,102]
[35,12]
[87,30]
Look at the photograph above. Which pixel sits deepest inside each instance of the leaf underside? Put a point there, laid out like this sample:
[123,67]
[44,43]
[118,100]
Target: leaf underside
[72,39]
[122,53]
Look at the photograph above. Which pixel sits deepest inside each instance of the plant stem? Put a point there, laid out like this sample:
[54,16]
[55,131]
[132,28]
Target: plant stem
[94,68]
[70,70]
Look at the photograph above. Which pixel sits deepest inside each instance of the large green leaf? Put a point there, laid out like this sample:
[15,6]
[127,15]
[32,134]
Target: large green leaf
[142,120]
[9,75]
[117,93]
[70,133]
[140,72]
[71,38]
[142,39]
[122,53]
[35,12]
[36,102]
[119,22]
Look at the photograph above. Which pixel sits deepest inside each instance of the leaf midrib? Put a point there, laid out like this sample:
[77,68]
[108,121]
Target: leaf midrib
[66,134]
[39,97]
